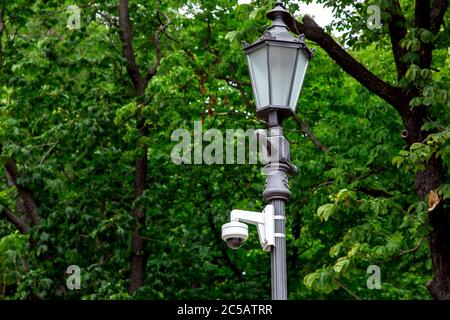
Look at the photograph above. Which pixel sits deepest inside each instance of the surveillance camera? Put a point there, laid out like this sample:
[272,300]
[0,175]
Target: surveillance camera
[234,233]
[235,243]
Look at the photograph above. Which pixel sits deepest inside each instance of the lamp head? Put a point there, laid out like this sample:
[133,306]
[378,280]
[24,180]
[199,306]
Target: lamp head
[277,64]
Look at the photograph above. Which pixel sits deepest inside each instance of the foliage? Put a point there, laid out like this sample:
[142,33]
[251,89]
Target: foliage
[67,115]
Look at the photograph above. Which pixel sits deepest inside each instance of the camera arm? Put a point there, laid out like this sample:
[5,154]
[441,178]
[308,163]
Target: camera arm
[264,222]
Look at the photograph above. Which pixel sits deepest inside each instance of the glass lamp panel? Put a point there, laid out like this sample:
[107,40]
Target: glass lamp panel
[281,63]
[302,64]
[257,61]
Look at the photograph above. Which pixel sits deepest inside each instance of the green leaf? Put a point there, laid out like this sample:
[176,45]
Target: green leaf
[444,190]
[415,102]
[425,73]
[397,160]
[335,250]
[320,281]
[428,91]
[310,279]
[13,242]
[341,265]
[427,101]
[426,36]
[326,210]
[412,73]
[254,13]
[416,146]
[231,36]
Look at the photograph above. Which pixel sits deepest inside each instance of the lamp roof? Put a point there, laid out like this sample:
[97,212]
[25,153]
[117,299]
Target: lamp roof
[279,31]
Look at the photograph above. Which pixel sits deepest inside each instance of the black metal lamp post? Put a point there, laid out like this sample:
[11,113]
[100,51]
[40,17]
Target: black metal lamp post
[277,64]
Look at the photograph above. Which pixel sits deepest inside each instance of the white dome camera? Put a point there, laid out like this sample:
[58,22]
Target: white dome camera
[235,232]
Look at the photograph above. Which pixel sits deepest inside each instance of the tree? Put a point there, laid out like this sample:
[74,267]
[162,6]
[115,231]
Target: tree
[87,117]
[140,83]
[413,43]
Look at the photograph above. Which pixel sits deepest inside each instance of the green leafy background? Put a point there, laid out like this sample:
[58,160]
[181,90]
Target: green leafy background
[67,116]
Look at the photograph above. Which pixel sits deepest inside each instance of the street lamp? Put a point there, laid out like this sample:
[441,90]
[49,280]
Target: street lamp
[277,64]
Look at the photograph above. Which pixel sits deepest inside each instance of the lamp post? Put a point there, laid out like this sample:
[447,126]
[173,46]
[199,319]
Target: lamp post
[277,64]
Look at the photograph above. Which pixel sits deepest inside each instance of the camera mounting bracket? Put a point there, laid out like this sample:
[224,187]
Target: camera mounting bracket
[264,222]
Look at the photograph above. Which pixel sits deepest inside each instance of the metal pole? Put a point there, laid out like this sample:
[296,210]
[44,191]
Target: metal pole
[277,193]
[278,255]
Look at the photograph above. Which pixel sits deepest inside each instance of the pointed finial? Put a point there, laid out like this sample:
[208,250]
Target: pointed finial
[278,12]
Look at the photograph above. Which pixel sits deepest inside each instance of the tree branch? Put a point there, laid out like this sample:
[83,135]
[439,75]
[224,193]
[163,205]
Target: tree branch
[304,127]
[111,20]
[128,54]
[397,31]
[52,147]
[15,220]
[2,27]
[438,9]
[25,194]
[422,14]
[343,286]
[233,82]
[422,21]
[394,96]
[162,27]
[153,69]
[376,193]
[402,253]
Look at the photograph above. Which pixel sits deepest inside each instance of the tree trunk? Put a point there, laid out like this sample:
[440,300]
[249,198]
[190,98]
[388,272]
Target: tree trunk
[430,16]
[439,244]
[137,267]
[439,237]
[426,181]
[137,242]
